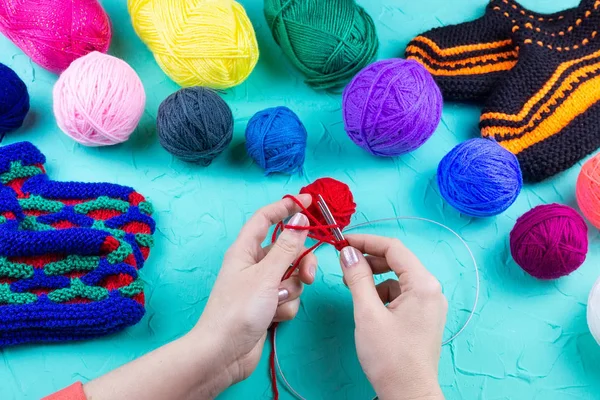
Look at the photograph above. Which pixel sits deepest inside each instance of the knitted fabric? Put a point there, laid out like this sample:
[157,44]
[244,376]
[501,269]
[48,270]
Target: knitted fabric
[69,253]
[546,110]
[469,59]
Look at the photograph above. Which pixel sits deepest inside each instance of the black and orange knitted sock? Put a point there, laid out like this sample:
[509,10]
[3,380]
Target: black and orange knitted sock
[547,109]
[467,60]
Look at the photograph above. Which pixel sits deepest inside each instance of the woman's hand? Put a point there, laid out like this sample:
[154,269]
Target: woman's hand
[248,295]
[399,344]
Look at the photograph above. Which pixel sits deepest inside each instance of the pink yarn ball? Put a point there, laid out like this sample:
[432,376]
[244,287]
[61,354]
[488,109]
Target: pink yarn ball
[588,190]
[99,100]
[549,241]
[55,32]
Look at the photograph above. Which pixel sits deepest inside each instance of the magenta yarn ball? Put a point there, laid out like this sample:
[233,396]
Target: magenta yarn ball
[549,241]
[392,107]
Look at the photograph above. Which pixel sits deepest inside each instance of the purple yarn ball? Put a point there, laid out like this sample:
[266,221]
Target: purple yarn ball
[392,107]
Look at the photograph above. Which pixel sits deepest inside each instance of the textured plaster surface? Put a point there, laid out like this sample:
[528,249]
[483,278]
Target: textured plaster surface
[528,339]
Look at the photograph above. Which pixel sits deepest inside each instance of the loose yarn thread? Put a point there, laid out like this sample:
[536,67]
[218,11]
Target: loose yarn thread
[392,107]
[276,140]
[54,33]
[549,241]
[588,190]
[99,100]
[479,178]
[198,42]
[14,101]
[195,124]
[329,41]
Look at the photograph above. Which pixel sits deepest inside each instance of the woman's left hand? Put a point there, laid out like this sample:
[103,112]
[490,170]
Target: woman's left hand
[249,295]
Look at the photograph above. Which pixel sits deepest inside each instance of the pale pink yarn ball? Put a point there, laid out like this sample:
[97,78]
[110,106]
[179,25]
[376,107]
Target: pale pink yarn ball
[99,100]
[55,32]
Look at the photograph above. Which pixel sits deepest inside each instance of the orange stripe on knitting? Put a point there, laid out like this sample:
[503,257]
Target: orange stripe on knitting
[585,96]
[535,99]
[471,60]
[477,70]
[450,51]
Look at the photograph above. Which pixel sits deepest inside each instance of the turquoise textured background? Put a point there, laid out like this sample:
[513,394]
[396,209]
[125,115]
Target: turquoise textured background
[528,339]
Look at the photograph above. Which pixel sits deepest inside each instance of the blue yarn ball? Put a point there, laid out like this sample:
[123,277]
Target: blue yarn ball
[480,178]
[14,101]
[276,140]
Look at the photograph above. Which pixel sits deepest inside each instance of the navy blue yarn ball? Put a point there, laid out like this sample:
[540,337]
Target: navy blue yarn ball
[276,140]
[14,101]
[480,178]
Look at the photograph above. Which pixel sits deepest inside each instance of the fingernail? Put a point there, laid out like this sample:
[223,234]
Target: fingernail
[349,256]
[283,295]
[312,271]
[298,220]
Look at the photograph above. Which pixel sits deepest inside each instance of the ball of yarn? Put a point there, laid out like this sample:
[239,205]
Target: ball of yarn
[338,197]
[392,107]
[593,311]
[54,33]
[14,101]
[549,241]
[588,190]
[198,42]
[195,124]
[329,41]
[479,178]
[98,100]
[276,140]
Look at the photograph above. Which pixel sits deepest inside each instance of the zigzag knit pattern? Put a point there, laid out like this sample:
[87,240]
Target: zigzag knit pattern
[468,60]
[69,253]
[547,110]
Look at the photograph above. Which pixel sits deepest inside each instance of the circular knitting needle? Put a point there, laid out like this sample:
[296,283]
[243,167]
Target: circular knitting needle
[330,219]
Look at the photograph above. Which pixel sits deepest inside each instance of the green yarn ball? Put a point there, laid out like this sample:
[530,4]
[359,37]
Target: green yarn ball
[330,41]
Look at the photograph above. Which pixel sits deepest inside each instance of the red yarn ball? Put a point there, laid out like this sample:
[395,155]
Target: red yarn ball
[338,197]
[549,241]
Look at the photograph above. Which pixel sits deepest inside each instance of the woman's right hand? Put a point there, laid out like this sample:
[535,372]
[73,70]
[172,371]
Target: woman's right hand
[398,345]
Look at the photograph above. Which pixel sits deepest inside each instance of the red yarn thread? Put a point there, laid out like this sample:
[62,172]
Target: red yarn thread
[340,201]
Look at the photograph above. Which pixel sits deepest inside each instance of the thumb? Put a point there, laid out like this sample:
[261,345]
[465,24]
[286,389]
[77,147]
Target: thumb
[359,278]
[287,248]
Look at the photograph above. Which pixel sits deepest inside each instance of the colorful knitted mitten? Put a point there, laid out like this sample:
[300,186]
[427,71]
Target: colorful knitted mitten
[469,59]
[62,285]
[119,210]
[546,111]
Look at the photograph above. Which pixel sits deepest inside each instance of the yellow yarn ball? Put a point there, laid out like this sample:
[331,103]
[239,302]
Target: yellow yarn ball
[198,42]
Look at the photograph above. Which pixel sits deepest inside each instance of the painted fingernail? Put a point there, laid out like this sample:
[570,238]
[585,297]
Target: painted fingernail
[349,256]
[312,271]
[283,295]
[298,220]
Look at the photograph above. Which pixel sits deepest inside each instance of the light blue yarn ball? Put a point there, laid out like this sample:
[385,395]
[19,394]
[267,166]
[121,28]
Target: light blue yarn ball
[480,178]
[276,140]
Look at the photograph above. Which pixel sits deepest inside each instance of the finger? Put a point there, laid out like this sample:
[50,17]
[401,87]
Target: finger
[290,289]
[307,269]
[254,232]
[287,311]
[399,258]
[359,277]
[286,249]
[388,290]
[379,265]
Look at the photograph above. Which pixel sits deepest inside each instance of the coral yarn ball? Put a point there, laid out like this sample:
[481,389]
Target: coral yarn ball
[392,107]
[98,100]
[207,43]
[479,178]
[338,197]
[54,33]
[276,140]
[14,101]
[549,241]
[588,190]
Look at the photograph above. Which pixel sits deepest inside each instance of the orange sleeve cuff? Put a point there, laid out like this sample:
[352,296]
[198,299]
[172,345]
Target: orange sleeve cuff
[73,392]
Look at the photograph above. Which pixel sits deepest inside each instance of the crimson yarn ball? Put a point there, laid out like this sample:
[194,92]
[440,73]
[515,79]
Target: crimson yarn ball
[338,197]
[549,241]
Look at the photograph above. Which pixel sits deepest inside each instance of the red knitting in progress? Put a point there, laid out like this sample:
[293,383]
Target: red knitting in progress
[340,201]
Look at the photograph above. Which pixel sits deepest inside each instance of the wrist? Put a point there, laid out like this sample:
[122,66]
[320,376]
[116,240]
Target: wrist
[419,388]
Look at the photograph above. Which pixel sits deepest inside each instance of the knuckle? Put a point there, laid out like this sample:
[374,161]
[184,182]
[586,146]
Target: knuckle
[395,242]
[286,245]
[359,278]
